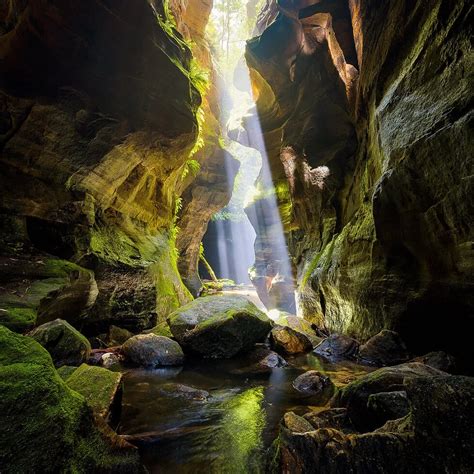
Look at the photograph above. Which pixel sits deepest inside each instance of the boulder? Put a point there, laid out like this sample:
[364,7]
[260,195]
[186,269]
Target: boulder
[437,436]
[66,345]
[313,382]
[286,340]
[150,350]
[219,326]
[260,360]
[337,346]
[117,336]
[355,396]
[385,348]
[385,406]
[110,360]
[100,387]
[299,325]
[47,427]
[439,360]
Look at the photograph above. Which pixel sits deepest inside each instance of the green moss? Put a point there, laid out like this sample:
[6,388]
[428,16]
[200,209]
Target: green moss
[162,329]
[97,385]
[18,319]
[66,371]
[46,426]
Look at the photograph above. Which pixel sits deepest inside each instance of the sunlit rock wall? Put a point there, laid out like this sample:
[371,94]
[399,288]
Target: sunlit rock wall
[366,109]
[98,104]
[207,191]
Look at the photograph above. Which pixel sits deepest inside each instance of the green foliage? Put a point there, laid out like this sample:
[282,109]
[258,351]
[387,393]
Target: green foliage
[191,167]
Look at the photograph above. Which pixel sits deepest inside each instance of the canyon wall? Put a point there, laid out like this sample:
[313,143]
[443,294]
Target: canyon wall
[99,132]
[366,111]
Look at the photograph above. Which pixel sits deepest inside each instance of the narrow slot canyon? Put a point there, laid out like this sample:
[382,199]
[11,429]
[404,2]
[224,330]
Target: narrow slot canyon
[236,236]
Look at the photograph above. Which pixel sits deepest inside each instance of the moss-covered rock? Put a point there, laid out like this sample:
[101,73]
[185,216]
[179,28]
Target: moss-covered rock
[39,288]
[219,326]
[46,426]
[161,329]
[66,345]
[100,387]
[117,336]
[150,350]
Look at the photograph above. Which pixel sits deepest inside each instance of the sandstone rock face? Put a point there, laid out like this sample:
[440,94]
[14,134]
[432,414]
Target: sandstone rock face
[97,129]
[150,350]
[58,432]
[366,115]
[219,326]
[66,345]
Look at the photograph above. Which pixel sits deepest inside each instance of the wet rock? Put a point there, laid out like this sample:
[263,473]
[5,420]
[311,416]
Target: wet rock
[337,346]
[355,396]
[219,326]
[335,418]
[385,348]
[150,350]
[437,436]
[66,345]
[386,406]
[50,427]
[439,360]
[296,424]
[178,390]
[260,360]
[117,336]
[313,382]
[109,360]
[100,387]
[287,341]
[299,325]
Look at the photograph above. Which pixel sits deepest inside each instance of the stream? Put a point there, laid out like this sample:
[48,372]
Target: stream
[230,430]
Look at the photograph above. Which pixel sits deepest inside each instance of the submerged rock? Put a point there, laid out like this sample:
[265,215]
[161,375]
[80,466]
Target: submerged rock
[219,326]
[385,348]
[286,340]
[260,360]
[178,390]
[150,350]
[100,387]
[66,345]
[313,382]
[46,426]
[337,346]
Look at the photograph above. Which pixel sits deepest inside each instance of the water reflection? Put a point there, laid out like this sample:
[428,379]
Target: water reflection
[231,429]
